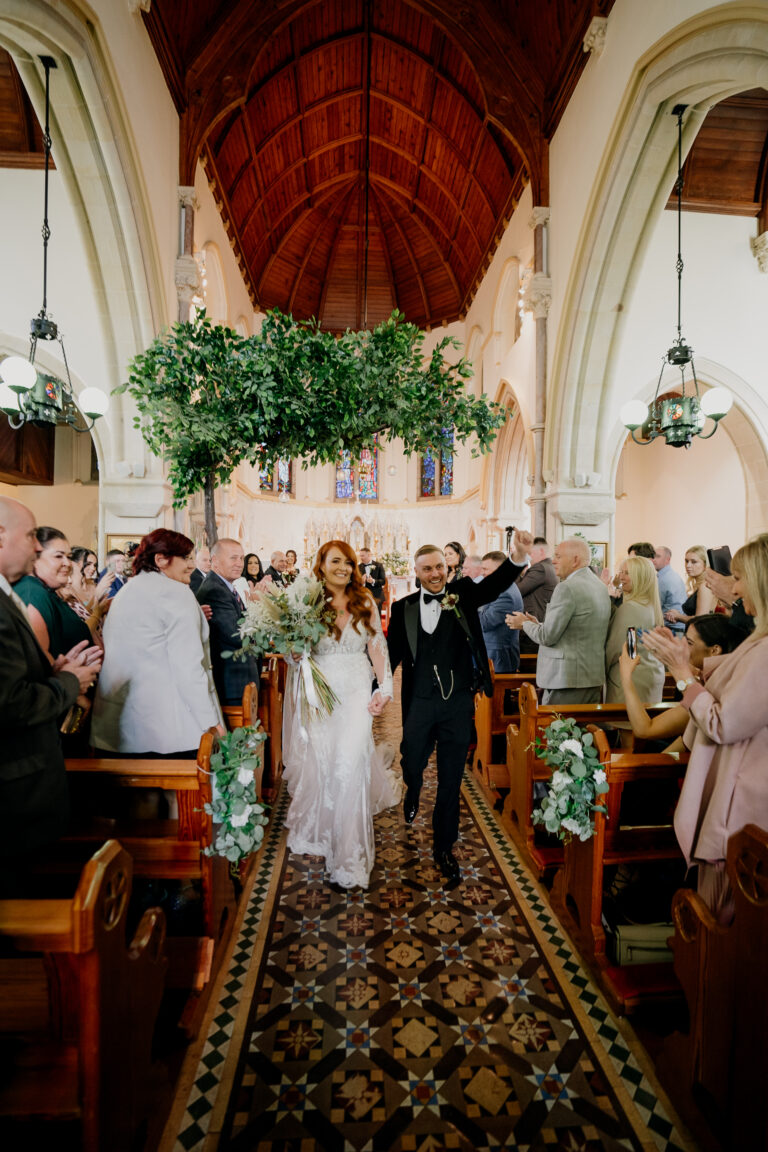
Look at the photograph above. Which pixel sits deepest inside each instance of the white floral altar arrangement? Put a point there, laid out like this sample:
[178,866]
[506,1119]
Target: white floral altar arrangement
[577,781]
[288,622]
[236,809]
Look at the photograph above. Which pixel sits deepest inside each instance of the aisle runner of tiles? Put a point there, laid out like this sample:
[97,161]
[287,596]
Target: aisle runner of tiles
[408,1017]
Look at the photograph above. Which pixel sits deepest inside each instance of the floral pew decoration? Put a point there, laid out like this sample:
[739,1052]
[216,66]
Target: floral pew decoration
[236,807]
[578,780]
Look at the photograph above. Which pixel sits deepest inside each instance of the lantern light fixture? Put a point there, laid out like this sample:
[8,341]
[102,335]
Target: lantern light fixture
[28,394]
[678,418]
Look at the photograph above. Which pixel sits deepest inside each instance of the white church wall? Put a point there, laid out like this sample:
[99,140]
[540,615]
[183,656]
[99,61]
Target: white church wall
[209,231]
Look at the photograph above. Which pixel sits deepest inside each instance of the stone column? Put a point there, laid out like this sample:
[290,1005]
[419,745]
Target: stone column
[537,299]
[187,273]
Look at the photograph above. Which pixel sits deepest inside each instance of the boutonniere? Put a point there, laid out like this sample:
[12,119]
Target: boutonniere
[450,603]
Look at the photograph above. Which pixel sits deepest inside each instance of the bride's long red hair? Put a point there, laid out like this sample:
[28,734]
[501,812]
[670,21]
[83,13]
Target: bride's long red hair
[361,603]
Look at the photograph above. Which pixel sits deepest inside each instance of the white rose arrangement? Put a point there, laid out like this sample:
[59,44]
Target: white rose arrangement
[577,781]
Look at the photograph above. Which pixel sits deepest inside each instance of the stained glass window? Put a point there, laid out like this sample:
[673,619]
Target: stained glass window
[345,488]
[284,476]
[368,474]
[358,479]
[266,476]
[436,469]
[277,476]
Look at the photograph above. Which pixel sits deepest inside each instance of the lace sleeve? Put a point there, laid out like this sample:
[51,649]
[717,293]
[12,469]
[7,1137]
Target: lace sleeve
[377,650]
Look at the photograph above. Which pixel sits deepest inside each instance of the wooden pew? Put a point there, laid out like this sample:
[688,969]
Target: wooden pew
[524,768]
[88,1064]
[246,713]
[273,675]
[493,715]
[168,849]
[720,1066]
[578,889]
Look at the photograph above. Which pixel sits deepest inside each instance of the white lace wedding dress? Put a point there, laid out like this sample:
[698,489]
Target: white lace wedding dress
[338,779]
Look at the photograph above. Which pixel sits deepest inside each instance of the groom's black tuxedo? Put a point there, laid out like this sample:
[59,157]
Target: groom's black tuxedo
[438,673]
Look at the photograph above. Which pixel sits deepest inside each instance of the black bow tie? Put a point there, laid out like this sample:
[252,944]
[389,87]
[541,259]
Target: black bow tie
[429,596]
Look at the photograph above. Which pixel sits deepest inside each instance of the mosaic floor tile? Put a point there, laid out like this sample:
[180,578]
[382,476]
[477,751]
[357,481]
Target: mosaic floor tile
[409,1017]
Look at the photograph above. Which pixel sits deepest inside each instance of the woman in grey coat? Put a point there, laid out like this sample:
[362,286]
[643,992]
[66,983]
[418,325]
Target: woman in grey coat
[641,609]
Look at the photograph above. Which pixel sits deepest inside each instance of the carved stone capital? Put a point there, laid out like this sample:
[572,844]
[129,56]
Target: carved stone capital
[759,246]
[539,217]
[594,40]
[187,278]
[188,197]
[580,508]
[135,6]
[537,295]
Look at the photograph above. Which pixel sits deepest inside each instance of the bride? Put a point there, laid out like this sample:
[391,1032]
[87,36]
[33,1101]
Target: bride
[338,779]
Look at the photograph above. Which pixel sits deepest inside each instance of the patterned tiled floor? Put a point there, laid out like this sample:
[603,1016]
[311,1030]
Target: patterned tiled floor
[410,1017]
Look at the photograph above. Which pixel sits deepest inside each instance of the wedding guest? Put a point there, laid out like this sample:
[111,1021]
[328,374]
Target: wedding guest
[80,591]
[220,593]
[700,599]
[640,609]
[292,568]
[112,577]
[454,559]
[642,549]
[502,643]
[202,567]
[252,569]
[671,586]
[725,785]
[373,575]
[34,696]
[706,636]
[536,586]
[57,627]
[473,567]
[277,566]
[156,693]
[571,638]
[721,586]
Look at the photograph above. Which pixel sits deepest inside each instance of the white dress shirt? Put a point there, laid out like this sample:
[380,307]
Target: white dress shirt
[429,612]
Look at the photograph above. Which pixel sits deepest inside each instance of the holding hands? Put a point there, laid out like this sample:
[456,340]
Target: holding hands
[378,702]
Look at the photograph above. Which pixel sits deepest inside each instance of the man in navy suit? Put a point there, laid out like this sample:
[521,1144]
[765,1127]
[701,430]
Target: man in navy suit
[218,592]
[502,643]
[35,694]
[435,634]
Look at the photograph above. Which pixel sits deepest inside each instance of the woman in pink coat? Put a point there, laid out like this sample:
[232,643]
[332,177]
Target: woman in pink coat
[726,784]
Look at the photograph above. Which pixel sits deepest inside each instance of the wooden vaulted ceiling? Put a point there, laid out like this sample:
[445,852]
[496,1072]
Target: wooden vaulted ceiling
[21,138]
[414,123]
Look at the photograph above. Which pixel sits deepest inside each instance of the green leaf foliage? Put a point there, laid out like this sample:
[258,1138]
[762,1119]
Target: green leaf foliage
[210,399]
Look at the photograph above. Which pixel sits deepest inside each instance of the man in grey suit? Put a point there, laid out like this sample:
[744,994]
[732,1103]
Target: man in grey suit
[203,567]
[571,664]
[35,694]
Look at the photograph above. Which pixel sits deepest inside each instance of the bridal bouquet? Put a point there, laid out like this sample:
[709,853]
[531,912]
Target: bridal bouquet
[288,622]
[578,780]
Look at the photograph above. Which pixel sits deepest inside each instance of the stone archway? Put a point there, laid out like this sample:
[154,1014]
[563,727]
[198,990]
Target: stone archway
[506,485]
[714,55]
[93,152]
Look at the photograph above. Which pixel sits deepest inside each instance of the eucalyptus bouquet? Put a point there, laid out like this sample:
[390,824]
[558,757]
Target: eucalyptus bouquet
[288,622]
[236,808]
[577,781]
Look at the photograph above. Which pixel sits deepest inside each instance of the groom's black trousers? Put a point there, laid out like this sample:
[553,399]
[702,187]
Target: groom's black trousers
[447,724]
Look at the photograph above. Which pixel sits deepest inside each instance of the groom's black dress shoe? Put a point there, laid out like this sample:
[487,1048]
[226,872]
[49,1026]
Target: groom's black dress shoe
[449,866]
[410,806]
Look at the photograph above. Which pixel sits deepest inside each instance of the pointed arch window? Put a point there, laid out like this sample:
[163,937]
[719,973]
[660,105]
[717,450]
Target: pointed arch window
[358,479]
[276,477]
[436,469]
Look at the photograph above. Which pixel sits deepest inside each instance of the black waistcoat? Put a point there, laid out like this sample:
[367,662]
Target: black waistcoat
[447,650]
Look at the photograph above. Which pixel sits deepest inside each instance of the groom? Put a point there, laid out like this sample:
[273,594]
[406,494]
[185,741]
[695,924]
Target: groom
[435,633]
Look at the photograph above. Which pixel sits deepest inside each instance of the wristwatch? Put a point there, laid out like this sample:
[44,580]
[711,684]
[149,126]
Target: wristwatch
[681,685]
